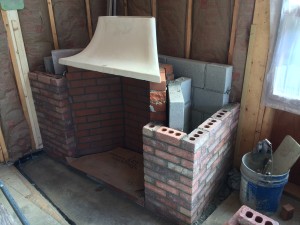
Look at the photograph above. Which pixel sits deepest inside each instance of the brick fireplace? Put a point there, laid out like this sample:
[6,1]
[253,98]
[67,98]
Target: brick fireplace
[88,112]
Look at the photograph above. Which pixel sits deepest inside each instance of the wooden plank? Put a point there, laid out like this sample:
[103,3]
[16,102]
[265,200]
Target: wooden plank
[21,69]
[52,24]
[267,124]
[154,8]
[233,30]
[293,190]
[125,7]
[188,33]
[89,18]
[3,150]
[5,217]
[251,111]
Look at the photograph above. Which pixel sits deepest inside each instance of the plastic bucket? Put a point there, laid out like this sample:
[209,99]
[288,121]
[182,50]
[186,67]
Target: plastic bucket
[258,191]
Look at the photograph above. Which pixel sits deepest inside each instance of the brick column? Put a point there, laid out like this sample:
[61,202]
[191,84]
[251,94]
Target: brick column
[183,171]
[50,94]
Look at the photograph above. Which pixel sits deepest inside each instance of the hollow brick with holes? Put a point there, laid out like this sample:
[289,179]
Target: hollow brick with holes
[170,135]
[221,114]
[195,140]
[248,216]
[211,125]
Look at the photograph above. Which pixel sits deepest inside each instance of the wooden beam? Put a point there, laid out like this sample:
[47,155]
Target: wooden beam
[52,24]
[3,150]
[125,7]
[89,18]
[154,8]
[188,33]
[21,69]
[233,30]
[252,113]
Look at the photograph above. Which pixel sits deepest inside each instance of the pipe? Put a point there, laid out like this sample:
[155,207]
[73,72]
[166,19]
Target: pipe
[13,204]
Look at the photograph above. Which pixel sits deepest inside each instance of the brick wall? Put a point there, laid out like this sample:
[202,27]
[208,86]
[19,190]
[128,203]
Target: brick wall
[136,111]
[97,108]
[50,96]
[183,171]
[102,111]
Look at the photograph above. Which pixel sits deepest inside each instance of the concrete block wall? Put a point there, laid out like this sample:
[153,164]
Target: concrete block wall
[183,171]
[211,85]
[97,109]
[50,94]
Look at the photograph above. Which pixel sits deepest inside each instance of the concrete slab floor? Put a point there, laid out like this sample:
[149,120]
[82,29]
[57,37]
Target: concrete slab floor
[81,199]
[227,209]
[34,206]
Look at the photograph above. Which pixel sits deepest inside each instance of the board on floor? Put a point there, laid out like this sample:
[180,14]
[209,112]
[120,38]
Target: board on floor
[120,168]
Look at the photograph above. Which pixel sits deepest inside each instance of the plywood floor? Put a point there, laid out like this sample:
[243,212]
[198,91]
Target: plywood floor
[120,168]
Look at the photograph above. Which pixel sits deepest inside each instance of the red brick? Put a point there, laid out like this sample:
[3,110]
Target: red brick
[85,98]
[74,69]
[86,112]
[97,104]
[73,75]
[58,81]
[167,67]
[32,76]
[150,128]
[162,85]
[76,91]
[148,149]
[82,83]
[167,156]
[111,109]
[154,159]
[155,175]
[80,105]
[158,107]
[93,74]
[180,186]
[167,188]
[155,143]
[180,152]
[287,212]
[196,139]
[44,79]
[169,135]
[158,96]
[99,117]
[155,189]
[96,89]
[187,164]
[211,125]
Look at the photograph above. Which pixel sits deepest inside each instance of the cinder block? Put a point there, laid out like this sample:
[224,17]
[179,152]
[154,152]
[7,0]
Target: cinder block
[48,62]
[179,103]
[197,118]
[61,53]
[189,68]
[218,77]
[162,59]
[208,101]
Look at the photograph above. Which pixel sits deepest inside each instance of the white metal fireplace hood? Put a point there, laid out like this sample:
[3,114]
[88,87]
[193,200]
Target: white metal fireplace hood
[124,46]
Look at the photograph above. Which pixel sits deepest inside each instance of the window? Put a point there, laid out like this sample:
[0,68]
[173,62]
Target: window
[283,79]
